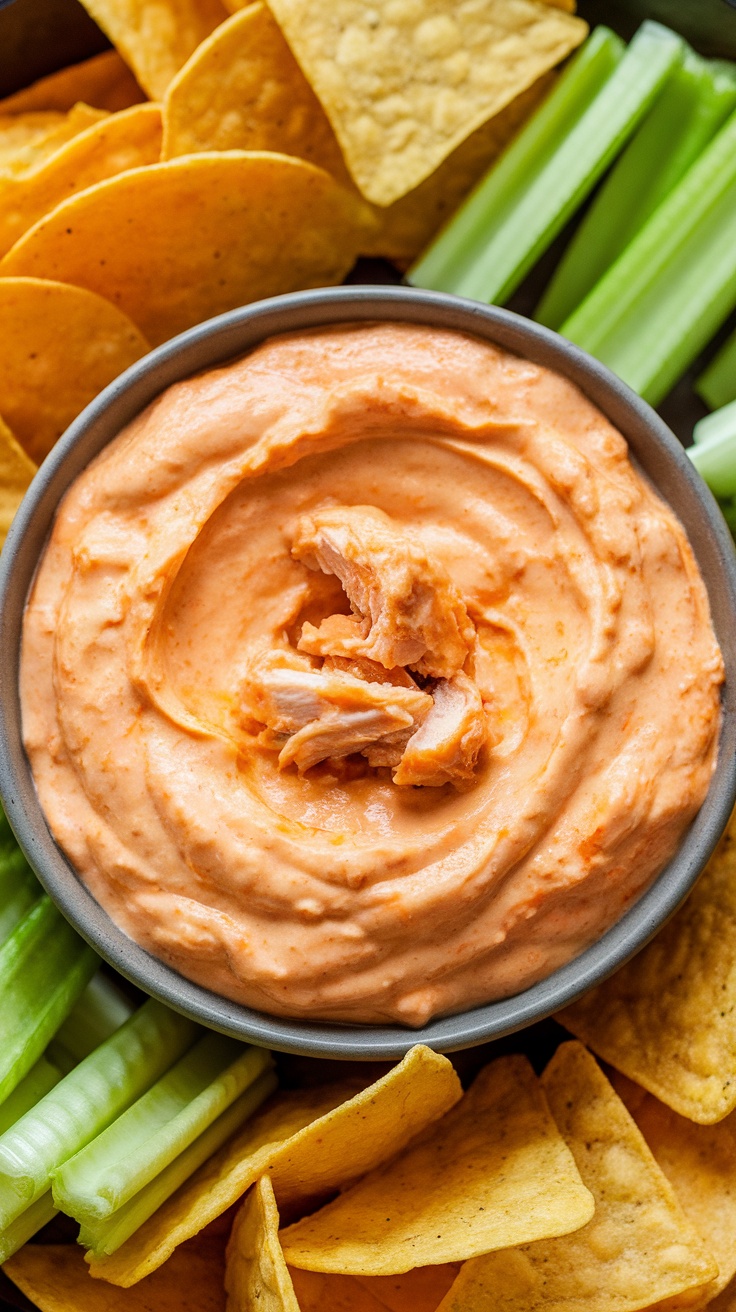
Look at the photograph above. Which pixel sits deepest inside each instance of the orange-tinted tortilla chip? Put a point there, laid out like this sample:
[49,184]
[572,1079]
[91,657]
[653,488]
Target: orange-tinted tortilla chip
[317,1292]
[243,90]
[700,1164]
[404,84]
[122,141]
[61,346]
[256,1275]
[668,1018]
[638,1249]
[155,40]
[104,81]
[492,1170]
[18,130]
[16,472]
[55,1278]
[27,154]
[175,243]
[311,1141]
[421,1290]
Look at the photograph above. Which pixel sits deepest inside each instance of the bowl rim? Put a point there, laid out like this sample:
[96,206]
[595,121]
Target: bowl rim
[217,341]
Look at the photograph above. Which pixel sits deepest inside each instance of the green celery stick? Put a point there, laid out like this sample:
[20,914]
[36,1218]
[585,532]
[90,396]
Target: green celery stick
[155,1130]
[717,383]
[86,1101]
[714,453]
[44,967]
[19,888]
[655,309]
[519,233]
[97,1014]
[696,99]
[26,1225]
[446,261]
[107,1236]
[33,1087]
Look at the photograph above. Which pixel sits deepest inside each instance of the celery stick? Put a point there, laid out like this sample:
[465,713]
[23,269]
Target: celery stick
[714,454]
[516,236]
[454,250]
[729,514]
[86,1101]
[19,888]
[675,283]
[97,1014]
[695,101]
[717,383]
[107,1236]
[44,966]
[26,1225]
[33,1087]
[167,1119]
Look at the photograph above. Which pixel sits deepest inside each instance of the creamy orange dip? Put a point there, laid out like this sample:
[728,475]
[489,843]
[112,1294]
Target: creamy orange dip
[364,678]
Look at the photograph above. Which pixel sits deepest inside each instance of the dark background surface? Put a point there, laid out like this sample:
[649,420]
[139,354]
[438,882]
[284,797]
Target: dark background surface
[40,36]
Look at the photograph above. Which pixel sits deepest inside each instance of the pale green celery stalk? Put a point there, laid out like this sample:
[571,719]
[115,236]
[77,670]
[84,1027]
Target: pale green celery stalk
[107,1236]
[453,251]
[714,454]
[167,1119]
[19,888]
[517,236]
[26,1226]
[97,1014]
[34,1086]
[44,966]
[694,103]
[86,1101]
[655,309]
[717,383]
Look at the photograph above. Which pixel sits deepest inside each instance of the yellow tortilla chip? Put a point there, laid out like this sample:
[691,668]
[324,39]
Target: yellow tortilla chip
[700,1164]
[16,472]
[155,40]
[243,90]
[404,84]
[638,1248]
[668,1018]
[255,1274]
[61,346]
[173,244]
[309,1141]
[18,130]
[493,1172]
[104,81]
[55,1278]
[317,1292]
[122,141]
[35,150]
[421,1290]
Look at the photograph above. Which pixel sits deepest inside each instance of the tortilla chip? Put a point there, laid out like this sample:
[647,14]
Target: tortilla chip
[310,1141]
[493,1172]
[155,40]
[24,157]
[402,91]
[122,141]
[16,472]
[317,1292]
[18,130]
[421,1290]
[700,1164]
[243,90]
[173,244]
[61,346]
[668,1018]
[638,1248]
[255,1274]
[55,1278]
[104,81]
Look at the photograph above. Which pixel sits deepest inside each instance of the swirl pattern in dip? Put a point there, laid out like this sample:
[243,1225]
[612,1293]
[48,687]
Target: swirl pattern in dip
[282,572]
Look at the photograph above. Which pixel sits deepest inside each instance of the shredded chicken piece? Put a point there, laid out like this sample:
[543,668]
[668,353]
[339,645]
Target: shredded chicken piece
[330,713]
[446,746]
[407,609]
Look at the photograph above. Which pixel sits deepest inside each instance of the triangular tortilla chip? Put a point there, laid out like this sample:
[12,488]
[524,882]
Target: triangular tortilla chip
[668,1018]
[18,157]
[104,81]
[16,472]
[256,1275]
[156,39]
[638,1248]
[310,1141]
[493,1169]
[173,244]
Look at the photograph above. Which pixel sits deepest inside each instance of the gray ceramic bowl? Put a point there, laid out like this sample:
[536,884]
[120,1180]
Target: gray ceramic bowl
[659,455]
